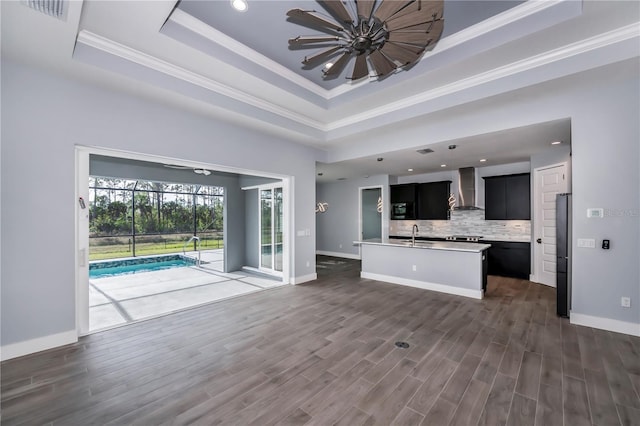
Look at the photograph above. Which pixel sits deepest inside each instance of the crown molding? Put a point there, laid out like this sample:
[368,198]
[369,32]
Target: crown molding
[600,41]
[195,25]
[121,51]
[583,46]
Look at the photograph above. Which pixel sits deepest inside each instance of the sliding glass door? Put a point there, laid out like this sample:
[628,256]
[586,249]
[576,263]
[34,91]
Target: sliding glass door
[271,210]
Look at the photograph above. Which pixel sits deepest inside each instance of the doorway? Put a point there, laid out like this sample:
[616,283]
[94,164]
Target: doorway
[200,279]
[371,213]
[271,224]
[548,182]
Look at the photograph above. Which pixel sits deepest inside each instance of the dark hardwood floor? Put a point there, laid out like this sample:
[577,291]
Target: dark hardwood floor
[323,353]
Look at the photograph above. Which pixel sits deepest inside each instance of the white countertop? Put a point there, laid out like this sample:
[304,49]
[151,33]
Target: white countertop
[502,238]
[431,245]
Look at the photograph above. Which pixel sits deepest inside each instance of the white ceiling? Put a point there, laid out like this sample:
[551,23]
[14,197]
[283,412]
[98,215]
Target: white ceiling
[152,49]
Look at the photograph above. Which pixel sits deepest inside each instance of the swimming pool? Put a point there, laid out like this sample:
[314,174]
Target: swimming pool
[112,268]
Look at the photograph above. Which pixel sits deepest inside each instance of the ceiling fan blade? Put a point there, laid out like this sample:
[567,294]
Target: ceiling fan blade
[423,26]
[360,69]
[435,32]
[318,57]
[423,9]
[411,16]
[381,63]
[419,39]
[337,9]
[338,66]
[301,40]
[399,54]
[365,7]
[416,50]
[388,8]
[306,17]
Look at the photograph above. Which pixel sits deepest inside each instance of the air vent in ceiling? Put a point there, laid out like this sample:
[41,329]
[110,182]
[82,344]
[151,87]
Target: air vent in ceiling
[54,8]
[425,151]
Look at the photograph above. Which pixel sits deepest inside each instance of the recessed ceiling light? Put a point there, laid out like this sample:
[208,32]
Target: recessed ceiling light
[379,159]
[482,160]
[240,5]
[556,143]
[443,165]
[409,170]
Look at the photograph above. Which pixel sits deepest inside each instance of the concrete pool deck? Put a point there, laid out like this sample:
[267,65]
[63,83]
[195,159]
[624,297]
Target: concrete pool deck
[122,299]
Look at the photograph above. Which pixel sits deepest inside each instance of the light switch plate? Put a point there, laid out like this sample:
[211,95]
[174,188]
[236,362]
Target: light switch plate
[586,242]
[595,213]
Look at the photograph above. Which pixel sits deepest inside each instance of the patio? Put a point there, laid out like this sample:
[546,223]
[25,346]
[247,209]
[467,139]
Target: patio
[123,299]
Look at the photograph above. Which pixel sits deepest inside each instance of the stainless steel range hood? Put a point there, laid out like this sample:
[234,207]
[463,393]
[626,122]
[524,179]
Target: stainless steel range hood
[467,189]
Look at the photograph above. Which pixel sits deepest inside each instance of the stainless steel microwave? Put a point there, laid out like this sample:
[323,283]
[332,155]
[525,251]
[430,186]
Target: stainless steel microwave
[402,211]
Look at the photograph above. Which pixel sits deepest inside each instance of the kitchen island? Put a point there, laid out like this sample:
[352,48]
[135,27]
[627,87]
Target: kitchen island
[444,266]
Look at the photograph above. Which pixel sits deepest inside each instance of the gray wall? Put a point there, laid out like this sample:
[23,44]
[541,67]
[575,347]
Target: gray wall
[252,213]
[44,117]
[338,227]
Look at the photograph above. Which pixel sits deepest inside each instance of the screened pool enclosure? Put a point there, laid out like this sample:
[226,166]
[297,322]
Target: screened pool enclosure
[129,218]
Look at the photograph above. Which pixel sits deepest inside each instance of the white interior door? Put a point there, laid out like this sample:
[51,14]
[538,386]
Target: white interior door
[549,182]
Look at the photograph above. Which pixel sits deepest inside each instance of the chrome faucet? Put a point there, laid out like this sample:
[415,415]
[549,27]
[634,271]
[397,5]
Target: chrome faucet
[414,231]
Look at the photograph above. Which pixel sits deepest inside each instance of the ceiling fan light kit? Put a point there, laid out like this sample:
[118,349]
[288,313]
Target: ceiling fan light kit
[382,36]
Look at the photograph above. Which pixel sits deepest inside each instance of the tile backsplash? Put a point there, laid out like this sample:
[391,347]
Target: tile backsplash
[465,222]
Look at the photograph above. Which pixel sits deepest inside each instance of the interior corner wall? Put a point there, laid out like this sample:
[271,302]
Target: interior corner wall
[44,117]
[339,226]
[251,228]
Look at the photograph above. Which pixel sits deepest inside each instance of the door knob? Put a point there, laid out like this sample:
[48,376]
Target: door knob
[539,241]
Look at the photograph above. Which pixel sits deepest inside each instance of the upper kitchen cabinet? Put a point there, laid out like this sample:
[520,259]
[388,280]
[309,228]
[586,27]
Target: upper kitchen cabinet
[433,200]
[404,193]
[508,197]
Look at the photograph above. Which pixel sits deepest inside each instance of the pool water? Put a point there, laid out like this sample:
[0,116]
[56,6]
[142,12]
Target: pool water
[133,266]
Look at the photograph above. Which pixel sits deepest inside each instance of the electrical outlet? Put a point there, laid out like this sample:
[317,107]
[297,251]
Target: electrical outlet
[340,246]
[625,302]
[414,268]
[308,263]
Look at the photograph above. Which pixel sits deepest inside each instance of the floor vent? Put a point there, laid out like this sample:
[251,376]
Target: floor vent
[403,345]
[55,8]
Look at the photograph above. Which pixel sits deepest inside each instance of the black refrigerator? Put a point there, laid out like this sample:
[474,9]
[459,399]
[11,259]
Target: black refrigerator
[563,254]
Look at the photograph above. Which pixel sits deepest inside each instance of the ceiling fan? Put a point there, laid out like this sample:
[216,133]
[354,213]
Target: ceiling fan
[196,170]
[383,35]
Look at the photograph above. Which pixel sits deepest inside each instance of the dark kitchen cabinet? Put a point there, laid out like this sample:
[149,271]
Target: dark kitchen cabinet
[433,200]
[509,259]
[403,193]
[507,197]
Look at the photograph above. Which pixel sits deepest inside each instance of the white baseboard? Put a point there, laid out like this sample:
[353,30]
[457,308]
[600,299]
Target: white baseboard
[442,288]
[338,254]
[608,324]
[304,278]
[27,347]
